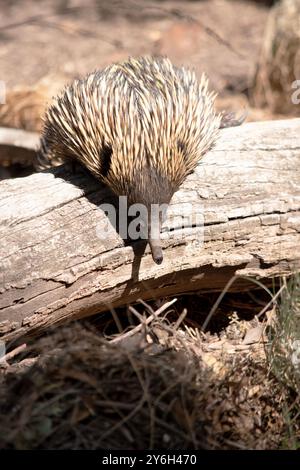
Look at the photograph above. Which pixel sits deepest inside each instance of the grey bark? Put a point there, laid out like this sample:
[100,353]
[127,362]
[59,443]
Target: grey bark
[55,267]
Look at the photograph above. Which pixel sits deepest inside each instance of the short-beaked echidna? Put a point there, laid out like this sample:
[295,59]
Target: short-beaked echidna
[140,126]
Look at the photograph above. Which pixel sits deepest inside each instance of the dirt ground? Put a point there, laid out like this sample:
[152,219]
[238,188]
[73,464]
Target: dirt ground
[66,38]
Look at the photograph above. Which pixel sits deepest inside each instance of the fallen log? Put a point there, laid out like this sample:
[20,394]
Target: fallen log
[56,265]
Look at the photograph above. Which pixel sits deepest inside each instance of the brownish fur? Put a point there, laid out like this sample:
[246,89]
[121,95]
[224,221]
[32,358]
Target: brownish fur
[140,126]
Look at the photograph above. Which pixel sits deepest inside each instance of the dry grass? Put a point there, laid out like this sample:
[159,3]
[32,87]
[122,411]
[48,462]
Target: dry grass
[166,386]
[283,354]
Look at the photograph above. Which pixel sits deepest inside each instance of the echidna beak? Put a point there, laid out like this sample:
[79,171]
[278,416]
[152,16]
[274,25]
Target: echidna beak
[158,260]
[156,250]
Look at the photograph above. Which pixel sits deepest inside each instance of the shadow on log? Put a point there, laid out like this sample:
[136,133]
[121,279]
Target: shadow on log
[242,216]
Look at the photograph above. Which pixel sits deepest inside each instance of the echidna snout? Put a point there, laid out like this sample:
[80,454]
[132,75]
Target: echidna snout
[156,250]
[151,223]
[154,238]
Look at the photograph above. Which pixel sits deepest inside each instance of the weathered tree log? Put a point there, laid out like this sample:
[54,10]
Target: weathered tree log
[55,266]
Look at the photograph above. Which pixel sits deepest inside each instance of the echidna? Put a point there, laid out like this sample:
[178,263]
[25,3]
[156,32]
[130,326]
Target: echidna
[140,126]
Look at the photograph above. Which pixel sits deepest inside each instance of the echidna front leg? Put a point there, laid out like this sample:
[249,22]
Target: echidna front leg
[230,119]
[46,157]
